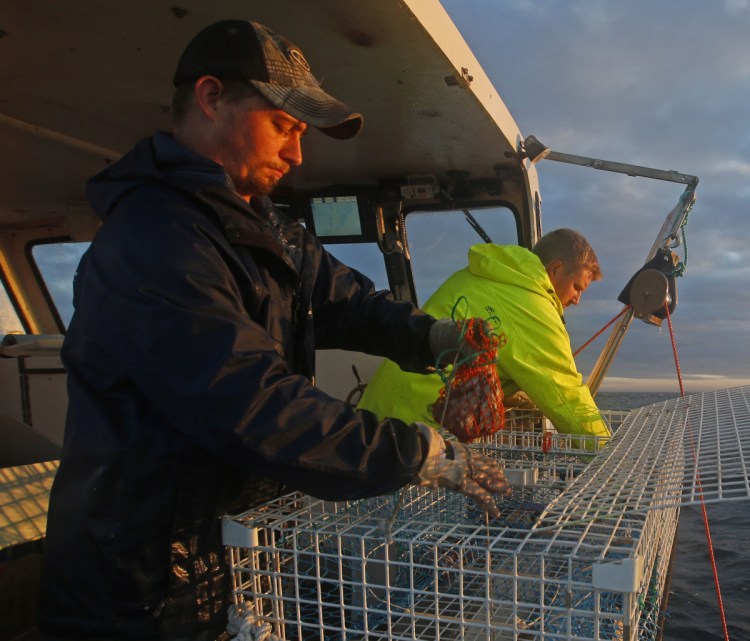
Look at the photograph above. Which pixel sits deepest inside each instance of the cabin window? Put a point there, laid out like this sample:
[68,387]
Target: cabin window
[57,264]
[365,258]
[10,323]
[439,242]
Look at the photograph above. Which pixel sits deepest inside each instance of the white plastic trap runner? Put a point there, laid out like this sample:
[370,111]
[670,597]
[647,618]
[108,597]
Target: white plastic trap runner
[578,553]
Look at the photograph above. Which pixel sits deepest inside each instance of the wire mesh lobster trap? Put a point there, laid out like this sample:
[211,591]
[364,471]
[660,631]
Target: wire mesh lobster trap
[433,567]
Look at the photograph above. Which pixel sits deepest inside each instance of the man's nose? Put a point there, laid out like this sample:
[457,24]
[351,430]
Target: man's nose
[291,152]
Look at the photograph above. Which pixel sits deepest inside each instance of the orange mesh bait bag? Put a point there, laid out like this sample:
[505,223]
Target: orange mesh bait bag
[470,404]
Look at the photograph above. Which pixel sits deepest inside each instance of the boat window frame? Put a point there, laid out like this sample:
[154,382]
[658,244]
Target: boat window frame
[14,304]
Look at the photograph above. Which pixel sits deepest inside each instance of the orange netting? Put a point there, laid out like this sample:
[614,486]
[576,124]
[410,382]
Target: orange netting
[470,404]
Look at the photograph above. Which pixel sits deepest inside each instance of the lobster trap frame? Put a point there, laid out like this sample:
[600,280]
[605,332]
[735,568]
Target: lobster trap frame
[311,569]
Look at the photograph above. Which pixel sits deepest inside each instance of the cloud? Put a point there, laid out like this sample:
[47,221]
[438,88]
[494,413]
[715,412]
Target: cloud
[692,385]
[737,6]
[728,168]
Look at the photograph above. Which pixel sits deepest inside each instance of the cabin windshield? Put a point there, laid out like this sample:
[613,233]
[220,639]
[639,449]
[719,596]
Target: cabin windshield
[364,257]
[439,241]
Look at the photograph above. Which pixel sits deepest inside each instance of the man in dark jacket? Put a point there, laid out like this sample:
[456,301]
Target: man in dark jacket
[198,309]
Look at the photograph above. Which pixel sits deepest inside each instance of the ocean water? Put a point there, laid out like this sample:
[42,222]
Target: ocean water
[693,613]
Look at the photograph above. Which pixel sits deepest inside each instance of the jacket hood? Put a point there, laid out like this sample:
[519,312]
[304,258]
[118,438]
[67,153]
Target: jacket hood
[515,266]
[159,159]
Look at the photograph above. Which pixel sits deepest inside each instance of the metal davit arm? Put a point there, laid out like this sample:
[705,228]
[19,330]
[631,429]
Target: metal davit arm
[666,238]
[533,149]
[607,355]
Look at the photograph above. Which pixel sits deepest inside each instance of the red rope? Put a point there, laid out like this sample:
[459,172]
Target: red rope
[674,351]
[699,486]
[595,336]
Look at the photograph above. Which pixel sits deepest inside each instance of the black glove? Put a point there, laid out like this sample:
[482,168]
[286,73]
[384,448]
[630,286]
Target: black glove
[448,345]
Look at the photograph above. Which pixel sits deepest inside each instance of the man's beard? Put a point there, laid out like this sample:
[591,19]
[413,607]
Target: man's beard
[251,186]
[255,182]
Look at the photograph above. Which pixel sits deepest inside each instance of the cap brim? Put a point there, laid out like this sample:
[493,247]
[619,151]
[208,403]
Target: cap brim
[314,107]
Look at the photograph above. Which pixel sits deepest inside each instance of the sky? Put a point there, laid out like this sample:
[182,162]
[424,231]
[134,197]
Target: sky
[661,84]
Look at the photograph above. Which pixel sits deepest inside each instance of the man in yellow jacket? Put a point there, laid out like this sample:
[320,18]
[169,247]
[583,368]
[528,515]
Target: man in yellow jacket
[527,291]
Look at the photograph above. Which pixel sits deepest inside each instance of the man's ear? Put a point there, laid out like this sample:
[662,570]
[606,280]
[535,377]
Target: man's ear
[554,266]
[207,91]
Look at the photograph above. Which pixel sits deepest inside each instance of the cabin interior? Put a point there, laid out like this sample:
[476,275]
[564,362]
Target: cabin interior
[438,152]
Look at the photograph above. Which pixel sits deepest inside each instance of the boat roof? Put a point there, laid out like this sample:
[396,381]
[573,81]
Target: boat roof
[82,81]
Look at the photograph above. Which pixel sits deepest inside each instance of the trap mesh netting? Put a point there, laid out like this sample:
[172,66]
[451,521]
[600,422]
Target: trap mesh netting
[470,403]
[581,550]
[309,569]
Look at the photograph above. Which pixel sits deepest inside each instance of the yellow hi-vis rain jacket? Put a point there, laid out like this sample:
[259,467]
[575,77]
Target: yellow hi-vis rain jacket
[511,283]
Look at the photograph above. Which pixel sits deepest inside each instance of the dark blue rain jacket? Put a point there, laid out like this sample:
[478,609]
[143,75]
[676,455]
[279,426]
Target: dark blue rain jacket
[190,357]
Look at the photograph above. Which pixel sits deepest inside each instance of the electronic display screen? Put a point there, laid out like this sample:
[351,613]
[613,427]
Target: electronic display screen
[336,216]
